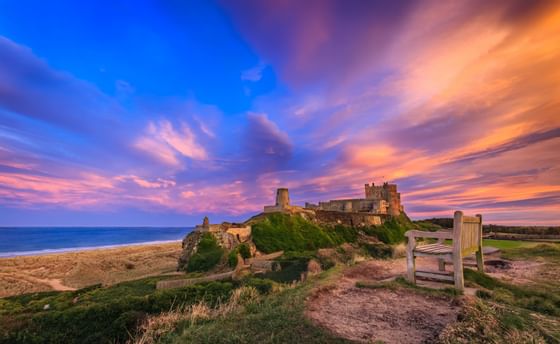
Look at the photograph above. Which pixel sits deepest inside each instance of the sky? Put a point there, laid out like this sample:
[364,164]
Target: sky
[157,113]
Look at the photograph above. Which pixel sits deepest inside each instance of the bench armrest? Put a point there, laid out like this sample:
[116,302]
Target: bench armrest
[433,235]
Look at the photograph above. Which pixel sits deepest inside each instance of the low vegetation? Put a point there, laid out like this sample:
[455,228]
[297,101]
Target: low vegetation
[531,297]
[294,233]
[392,231]
[276,318]
[95,314]
[279,232]
[208,254]
[534,230]
[436,223]
[156,328]
[550,252]
[486,322]
[243,250]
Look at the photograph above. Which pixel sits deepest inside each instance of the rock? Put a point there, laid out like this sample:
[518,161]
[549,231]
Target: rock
[313,267]
[46,307]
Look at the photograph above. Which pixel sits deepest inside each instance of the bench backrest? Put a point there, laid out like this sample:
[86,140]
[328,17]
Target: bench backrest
[467,233]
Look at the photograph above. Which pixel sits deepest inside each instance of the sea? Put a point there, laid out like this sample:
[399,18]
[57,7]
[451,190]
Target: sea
[27,241]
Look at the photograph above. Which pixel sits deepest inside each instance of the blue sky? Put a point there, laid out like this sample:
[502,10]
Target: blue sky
[161,112]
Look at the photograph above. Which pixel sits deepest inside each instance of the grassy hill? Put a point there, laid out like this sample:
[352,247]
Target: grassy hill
[287,232]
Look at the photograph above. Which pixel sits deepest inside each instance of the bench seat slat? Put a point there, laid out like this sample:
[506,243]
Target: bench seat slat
[434,249]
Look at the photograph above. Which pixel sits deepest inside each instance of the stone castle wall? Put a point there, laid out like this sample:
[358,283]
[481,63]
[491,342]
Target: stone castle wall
[348,219]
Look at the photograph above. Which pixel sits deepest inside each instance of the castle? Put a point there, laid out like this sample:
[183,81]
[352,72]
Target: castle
[379,200]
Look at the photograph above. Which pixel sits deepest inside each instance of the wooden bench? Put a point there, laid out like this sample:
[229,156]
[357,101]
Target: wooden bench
[466,239]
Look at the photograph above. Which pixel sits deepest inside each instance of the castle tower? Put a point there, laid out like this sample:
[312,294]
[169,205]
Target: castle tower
[393,199]
[282,197]
[370,193]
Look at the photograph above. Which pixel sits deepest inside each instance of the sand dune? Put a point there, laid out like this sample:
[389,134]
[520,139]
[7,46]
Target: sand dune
[71,270]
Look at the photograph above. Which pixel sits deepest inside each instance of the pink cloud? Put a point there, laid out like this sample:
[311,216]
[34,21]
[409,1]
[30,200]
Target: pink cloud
[167,144]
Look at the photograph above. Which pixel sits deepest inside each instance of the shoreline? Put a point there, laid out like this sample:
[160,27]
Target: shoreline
[49,251]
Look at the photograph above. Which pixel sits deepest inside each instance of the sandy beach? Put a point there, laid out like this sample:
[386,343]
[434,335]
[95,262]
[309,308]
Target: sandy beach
[73,270]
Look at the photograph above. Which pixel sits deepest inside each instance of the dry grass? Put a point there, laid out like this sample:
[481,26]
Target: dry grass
[155,327]
[79,269]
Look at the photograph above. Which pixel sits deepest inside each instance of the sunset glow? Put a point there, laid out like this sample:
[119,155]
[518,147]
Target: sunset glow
[164,112]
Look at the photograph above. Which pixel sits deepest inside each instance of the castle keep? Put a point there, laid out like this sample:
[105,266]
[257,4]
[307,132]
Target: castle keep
[378,200]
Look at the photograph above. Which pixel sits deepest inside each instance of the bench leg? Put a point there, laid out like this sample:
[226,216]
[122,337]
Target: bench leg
[458,272]
[480,260]
[441,264]
[410,265]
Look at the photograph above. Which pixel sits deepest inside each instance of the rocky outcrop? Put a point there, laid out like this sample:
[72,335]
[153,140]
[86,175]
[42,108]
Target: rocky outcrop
[227,235]
[189,244]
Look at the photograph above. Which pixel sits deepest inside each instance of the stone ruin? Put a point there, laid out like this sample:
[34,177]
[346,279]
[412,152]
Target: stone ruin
[228,234]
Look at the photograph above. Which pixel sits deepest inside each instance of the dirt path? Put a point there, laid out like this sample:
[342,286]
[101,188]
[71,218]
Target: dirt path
[516,271]
[55,284]
[367,315]
[52,283]
[392,316]
[400,315]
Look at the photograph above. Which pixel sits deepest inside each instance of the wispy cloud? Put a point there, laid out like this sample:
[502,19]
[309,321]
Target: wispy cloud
[253,74]
[168,144]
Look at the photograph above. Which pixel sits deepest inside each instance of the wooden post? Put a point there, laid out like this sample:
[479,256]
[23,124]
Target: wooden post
[410,263]
[480,253]
[457,254]
[441,264]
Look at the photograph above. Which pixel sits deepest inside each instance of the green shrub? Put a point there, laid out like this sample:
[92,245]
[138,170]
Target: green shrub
[208,254]
[290,271]
[263,285]
[244,251]
[232,258]
[392,230]
[341,234]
